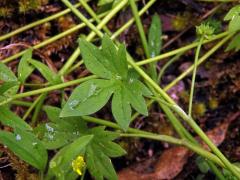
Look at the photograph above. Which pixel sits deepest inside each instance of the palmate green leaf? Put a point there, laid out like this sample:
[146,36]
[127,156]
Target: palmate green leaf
[8,118]
[60,165]
[99,164]
[234,17]
[234,43]
[60,131]
[116,58]
[52,136]
[94,60]
[129,92]
[88,98]
[136,100]
[26,146]
[24,68]
[109,62]
[49,75]
[98,152]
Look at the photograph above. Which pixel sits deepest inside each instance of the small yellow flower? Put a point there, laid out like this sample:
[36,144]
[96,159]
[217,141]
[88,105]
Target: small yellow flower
[78,165]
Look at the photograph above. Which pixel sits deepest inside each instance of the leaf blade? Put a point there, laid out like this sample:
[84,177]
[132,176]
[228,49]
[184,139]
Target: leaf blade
[26,146]
[88,98]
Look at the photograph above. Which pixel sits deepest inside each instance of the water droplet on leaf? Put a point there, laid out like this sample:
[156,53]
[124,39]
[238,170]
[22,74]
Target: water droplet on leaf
[49,128]
[130,80]
[18,137]
[73,103]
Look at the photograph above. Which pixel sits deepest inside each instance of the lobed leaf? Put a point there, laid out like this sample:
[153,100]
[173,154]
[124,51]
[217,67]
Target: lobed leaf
[60,165]
[94,60]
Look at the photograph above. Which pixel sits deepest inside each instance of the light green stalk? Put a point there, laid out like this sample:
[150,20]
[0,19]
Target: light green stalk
[96,30]
[36,23]
[194,76]
[50,40]
[140,27]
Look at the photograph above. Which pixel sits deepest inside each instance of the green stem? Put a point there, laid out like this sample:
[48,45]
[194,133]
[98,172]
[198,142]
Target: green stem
[164,138]
[140,27]
[216,171]
[200,61]
[194,75]
[131,21]
[182,131]
[80,16]
[47,89]
[152,66]
[172,140]
[118,32]
[38,108]
[204,137]
[182,49]
[132,130]
[50,40]
[195,127]
[191,146]
[188,71]
[95,30]
[32,107]
[93,14]
[36,23]
[169,62]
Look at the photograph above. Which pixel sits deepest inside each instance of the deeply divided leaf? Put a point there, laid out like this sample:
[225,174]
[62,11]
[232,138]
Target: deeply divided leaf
[108,62]
[94,60]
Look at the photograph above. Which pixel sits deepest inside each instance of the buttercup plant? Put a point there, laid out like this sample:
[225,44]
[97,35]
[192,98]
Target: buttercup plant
[115,77]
